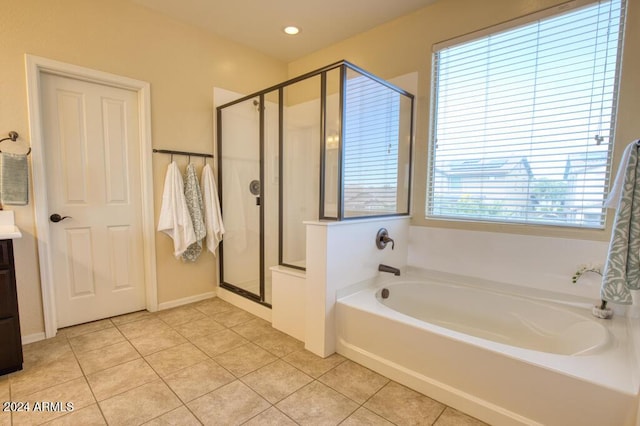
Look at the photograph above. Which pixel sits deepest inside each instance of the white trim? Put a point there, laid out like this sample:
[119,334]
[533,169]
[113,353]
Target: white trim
[186,300]
[35,66]
[32,338]
[523,20]
[474,406]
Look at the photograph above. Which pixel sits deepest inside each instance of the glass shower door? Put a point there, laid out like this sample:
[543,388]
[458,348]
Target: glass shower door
[241,191]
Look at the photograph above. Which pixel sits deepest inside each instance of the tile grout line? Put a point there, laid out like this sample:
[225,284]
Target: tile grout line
[85,375]
[87,381]
[184,404]
[273,405]
[439,415]
[113,325]
[236,378]
[360,405]
[46,388]
[82,371]
[374,394]
[209,358]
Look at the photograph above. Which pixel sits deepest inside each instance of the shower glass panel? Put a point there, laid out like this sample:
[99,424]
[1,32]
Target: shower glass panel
[376,148]
[300,167]
[240,181]
[331,145]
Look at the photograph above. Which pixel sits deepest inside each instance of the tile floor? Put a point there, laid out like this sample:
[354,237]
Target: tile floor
[204,363]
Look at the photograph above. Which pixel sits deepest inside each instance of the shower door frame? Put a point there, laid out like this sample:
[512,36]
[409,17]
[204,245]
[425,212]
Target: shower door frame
[231,287]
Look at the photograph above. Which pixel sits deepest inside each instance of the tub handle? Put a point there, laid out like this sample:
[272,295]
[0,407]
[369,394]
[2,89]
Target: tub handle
[382,239]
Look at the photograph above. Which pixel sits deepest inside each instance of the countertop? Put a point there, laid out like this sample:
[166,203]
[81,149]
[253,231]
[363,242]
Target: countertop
[8,228]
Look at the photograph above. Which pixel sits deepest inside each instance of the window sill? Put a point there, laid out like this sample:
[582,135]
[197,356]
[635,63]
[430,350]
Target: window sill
[522,229]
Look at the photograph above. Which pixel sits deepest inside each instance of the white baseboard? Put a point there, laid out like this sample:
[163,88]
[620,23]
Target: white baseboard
[456,398]
[36,337]
[186,300]
[31,338]
[253,308]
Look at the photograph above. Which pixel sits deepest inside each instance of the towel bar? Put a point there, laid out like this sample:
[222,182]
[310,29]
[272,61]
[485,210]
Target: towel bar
[190,154]
[12,137]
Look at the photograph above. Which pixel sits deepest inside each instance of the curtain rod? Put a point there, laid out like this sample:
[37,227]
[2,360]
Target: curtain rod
[192,154]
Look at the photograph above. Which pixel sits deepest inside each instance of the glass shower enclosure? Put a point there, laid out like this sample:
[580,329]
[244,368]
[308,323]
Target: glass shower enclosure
[333,144]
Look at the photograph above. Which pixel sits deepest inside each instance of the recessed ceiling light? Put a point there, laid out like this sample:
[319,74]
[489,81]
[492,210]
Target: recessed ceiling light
[291,30]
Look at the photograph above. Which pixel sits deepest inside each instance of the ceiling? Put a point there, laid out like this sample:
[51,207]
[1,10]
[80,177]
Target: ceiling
[259,23]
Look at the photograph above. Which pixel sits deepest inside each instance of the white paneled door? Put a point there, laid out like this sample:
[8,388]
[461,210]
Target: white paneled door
[91,151]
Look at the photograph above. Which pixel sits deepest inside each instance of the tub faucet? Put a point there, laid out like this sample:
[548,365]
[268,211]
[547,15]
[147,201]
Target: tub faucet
[390,269]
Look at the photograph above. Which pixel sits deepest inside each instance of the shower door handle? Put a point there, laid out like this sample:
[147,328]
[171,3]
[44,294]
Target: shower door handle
[254,188]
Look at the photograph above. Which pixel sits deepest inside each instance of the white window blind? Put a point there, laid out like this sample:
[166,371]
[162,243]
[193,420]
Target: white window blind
[371,132]
[523,121]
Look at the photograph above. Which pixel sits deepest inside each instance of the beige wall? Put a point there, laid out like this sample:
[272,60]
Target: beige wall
[404,45]
[181,63]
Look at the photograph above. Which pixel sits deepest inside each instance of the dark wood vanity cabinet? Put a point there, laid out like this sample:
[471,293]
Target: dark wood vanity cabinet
[10,340]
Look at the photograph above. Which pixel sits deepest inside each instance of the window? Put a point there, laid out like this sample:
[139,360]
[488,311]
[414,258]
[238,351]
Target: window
[523,120]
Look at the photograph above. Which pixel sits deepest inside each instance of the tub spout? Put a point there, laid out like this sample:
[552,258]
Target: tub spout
[390,269]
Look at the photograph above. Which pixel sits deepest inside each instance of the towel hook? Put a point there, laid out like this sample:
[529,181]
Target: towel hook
[13,136]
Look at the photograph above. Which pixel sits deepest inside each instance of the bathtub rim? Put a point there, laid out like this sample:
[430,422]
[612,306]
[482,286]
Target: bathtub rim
[413,273]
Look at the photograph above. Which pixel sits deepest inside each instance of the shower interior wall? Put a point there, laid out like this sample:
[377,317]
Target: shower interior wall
[301,163]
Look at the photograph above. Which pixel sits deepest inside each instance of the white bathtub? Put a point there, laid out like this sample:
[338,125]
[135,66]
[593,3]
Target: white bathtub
[500,356]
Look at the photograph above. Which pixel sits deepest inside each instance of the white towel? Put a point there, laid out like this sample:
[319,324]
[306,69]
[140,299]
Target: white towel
[14,179]
[193,197]
[212,215]
[175,220]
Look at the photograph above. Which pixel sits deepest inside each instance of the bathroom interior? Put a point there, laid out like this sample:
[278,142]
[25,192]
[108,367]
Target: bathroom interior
[296,142]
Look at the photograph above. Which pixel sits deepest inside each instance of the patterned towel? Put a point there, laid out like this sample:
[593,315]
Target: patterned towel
[14,179]
[622,268]
[193,197]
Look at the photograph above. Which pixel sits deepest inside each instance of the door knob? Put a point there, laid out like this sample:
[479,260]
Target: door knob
[57,218]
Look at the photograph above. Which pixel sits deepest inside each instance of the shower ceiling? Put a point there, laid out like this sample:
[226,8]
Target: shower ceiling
[259,23]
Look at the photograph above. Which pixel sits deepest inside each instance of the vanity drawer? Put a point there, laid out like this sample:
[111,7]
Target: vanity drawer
[10,346]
